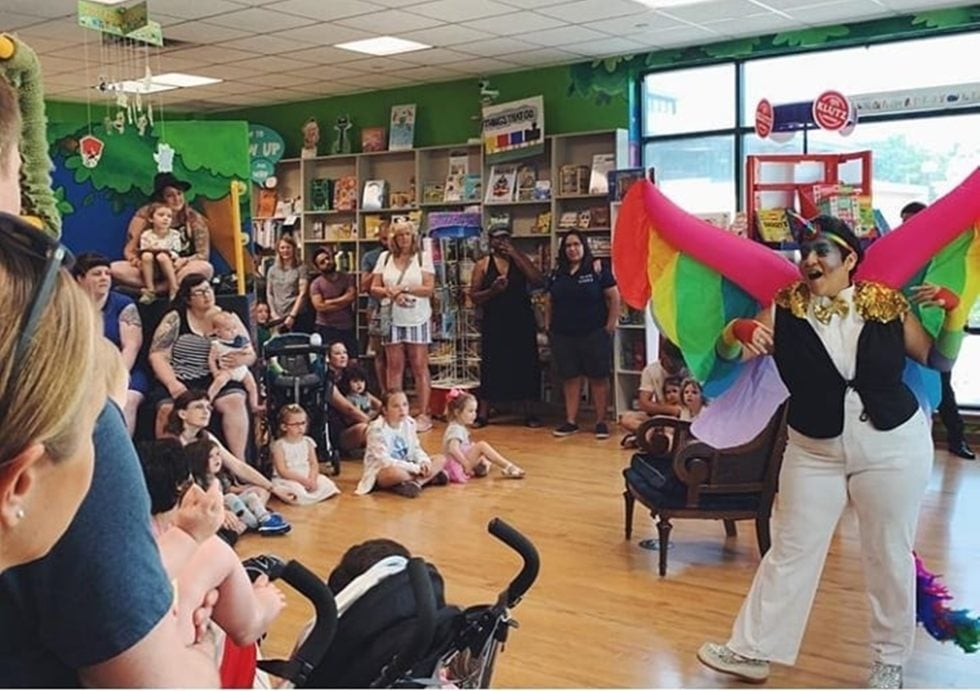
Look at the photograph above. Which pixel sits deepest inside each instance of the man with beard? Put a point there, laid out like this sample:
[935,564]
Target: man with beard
[333,293]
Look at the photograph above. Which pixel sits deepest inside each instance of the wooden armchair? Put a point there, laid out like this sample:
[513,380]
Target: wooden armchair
[732,484]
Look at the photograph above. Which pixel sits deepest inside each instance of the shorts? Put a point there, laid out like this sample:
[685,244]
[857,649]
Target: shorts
[138,381]
[582,355]
[374,322]
[160,395]
[413,335]
[331,334]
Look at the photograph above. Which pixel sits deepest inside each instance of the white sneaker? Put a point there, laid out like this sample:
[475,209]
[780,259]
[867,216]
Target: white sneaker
[885,676]
[721,659]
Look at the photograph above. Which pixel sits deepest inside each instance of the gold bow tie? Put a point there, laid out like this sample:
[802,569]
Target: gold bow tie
[824,312]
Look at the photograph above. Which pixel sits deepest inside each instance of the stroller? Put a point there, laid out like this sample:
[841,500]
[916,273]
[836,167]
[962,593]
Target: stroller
[400,633]
[296,372]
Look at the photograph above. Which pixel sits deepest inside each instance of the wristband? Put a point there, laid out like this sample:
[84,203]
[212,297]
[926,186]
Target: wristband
[950,300]
[737,332]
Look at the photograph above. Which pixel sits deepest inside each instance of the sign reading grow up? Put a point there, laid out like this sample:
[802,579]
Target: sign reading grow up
[513,130]
[265,148]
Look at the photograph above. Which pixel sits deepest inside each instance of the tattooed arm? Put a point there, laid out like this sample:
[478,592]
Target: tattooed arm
[160,352]
[137,225]
[200,234]
[130,334]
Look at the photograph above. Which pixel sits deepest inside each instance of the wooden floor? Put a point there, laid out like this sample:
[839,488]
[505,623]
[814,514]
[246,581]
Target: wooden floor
[599,615]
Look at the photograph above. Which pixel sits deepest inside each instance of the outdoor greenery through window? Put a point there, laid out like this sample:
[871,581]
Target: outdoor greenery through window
[697,146]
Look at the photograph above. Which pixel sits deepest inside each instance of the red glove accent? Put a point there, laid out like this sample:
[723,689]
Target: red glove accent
[742,329]
[950,300]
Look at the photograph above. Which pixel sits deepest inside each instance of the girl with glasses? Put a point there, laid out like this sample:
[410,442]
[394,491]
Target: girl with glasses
[294,459]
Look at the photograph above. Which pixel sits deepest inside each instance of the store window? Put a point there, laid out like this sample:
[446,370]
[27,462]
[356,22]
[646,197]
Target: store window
[696,173]
[699,99]
[884,67]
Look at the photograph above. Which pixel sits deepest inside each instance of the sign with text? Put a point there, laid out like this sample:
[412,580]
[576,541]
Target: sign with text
[513,130]
[763,119]
[832,111]
[265,148]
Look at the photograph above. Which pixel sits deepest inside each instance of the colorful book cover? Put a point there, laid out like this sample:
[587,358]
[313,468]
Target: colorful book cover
[433,193]
[502,181]
[373,138]
[773,225]
[321,192]
[453,191]
[345,193]
[375,192]
[472,187]
[402,136]
[621,180]
[601,165]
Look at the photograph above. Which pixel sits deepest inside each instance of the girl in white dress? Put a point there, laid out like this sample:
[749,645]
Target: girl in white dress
[294,460]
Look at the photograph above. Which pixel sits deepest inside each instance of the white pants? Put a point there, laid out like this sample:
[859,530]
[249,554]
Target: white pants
[884,475]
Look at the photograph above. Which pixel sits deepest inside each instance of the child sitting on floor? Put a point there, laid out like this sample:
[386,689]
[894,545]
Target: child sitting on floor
[227,340]
[464,458]
[185,519]
[394,459]
[358,394]
[295,462]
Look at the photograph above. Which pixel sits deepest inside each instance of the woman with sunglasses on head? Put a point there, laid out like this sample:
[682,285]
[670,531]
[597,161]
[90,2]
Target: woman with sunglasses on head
[97,609]
[179,356]
[856,436]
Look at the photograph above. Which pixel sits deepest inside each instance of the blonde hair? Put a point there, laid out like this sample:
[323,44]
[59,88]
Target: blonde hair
[390,394]
[457,404]
[41,402]
[290,409]
[116,374]
[399,228]
[10,122]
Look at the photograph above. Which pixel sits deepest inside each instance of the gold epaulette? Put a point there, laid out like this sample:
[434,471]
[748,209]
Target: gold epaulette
[878,302]
[794,297]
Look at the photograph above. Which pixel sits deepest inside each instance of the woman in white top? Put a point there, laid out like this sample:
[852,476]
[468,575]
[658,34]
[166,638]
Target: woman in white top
[394,459]
[406,282]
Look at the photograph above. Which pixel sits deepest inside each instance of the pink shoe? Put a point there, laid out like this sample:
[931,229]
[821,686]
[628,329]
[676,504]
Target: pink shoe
[455,471]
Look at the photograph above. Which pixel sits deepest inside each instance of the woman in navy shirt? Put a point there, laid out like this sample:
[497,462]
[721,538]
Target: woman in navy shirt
[582,313]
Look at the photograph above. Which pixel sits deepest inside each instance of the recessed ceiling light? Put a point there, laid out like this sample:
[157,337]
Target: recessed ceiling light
[133,86]
[183,80]
[663,4]
[382,45]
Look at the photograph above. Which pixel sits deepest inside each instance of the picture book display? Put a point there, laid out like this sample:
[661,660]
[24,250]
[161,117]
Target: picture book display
[402,129]
[345,193]
[373,139]
[375,194]
[501,183]
[598,177]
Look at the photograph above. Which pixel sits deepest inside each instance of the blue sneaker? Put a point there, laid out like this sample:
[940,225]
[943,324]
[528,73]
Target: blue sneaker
[274,524]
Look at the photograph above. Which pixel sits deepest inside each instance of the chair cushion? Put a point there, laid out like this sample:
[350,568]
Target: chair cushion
[673,495]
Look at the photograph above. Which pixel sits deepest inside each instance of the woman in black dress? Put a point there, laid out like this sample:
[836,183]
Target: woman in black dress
[509,367]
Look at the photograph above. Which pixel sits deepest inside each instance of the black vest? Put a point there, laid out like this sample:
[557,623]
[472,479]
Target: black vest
[816,387]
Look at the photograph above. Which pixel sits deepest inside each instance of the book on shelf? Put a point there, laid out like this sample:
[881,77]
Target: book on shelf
[542,224]
[502,181]
[373,224]
[621,180]
[773,225]
[584,219]
[402,133]
[433,193]
[266,205]
[453,191]
[345,193]
[527,178]
[498,219]
[375,195]
[542,190]
[459,162]
[601,165]
[336,232]
[599,216]
[574,179]
[472,187]
[568,219]
[321,194]
[373,138]
[401,199]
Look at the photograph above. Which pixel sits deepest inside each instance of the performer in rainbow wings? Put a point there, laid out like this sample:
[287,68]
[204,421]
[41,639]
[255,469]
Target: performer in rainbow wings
[838,338]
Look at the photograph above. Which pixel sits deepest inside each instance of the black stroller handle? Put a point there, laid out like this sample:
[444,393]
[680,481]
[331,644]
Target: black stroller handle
[425,602]
[303,661]
[514,539]
[272,349]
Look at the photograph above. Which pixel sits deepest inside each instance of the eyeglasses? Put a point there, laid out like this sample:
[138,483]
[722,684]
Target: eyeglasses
[52,256]
[201,292]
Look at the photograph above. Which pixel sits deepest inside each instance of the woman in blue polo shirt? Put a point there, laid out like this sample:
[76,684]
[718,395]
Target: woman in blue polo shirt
[582,313]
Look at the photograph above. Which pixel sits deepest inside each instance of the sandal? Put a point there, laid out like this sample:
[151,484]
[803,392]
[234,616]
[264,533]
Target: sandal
[423,423]
[409,489]
[512,472]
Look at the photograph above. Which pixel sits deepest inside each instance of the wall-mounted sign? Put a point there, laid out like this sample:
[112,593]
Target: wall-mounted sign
[513,130]
[831,111]
[763,118]
[265,148]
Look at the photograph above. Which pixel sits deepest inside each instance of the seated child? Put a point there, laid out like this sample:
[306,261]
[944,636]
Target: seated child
[159,247]
[394,459]
[463,457]
[358,395]
[692,398]
[360,558]
[227,340]
[295,462]
[659,439]
[185,519]
[263,330]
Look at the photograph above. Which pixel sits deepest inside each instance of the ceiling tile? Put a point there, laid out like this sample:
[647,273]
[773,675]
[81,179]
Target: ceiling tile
[176,63]
[909,5]
[201,32]
[53,65]
[590,10]
[34,8]
[533,4]
[272,63]
[321,89]
[267,44]
[389,22]
[709,11]
[604,47]
[192,9]
[375,80]
[542,56]
[461,10]
[324,11]
[496,46]
[753,25]
[50,45]
[376,64]
[12,20]
[283,79]
[395,3]
[427,74]
[228,71]
[683,36]
[850,10]
[208,55]
[324,34]
[445,35]
[631,25]
[563,36]
[484,66]
[324,55]
[434,57]
[57,30]
[782,5]
[515,23]
[258,20]
[327,73]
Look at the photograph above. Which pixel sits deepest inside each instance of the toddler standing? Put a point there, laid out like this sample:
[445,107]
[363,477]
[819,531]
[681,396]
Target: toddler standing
[463,457]
[294,460]
[159,247]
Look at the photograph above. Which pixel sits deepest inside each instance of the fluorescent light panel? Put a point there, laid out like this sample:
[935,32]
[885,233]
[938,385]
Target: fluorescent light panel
[161,82]
[183,80]
[382,45]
